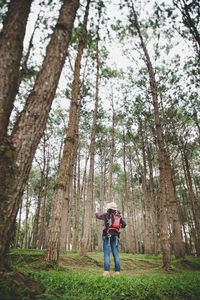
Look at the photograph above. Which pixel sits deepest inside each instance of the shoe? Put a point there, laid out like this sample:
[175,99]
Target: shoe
[116,273]
[106,273]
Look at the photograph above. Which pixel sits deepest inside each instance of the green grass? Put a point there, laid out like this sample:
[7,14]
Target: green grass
[75,277]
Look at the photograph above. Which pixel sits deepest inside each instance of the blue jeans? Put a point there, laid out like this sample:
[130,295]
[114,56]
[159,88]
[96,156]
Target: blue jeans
[113,243]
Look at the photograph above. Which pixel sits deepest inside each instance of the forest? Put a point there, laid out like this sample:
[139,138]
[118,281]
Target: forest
[99,103]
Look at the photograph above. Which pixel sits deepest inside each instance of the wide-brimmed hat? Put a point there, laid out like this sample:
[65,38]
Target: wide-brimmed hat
[112,205]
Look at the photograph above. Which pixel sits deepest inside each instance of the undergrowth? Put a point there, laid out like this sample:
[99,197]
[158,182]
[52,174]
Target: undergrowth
[84,286]
[76,277]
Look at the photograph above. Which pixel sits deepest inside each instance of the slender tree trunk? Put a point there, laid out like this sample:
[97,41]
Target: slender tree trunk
[177,240]
[161,154]
[147,199]
[143,198]
[89,203]
[65,221]
[37,214]
[26,227]
[77,209]
[11,47]
[153,201]
[194,205]
[53,245]
[111,155]
[18,225]
[41,242]
[67,203]
[130,242]
[83,189]
[133,207]
[77,191]
[99,224]
[18,153]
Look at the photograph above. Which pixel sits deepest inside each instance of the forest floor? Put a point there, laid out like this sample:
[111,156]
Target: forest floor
[29,275]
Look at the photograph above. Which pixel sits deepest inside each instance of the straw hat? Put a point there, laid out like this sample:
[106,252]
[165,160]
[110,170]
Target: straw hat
[112,205]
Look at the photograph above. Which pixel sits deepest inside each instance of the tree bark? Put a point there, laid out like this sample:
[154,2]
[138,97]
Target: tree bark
[18,152]
[11,47]
[53,245]
[89,202]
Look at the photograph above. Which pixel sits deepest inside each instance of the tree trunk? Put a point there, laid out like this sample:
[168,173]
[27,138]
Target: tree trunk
[37,214]
[53,245]
[133,208]
[147,198]
[68,205]
[18,225]
[161,153]
[177,239]
[194,205]
[99,224]
[153,206]
[111,155]
[41,242]
[77,209]
[130,242]
[65,222]
[18,152]
[11,47]
[26,226]
[89,203]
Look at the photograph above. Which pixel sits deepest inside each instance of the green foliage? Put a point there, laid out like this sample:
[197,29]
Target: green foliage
[188,263]
[71,286]
[10,290]
[55,281]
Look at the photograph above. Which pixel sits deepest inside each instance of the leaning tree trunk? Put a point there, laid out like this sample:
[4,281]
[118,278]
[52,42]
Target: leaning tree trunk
[53,244]
[11,47]
[161,153]
[18,152]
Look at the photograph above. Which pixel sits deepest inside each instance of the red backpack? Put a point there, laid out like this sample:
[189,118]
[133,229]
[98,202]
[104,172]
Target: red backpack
[113,221]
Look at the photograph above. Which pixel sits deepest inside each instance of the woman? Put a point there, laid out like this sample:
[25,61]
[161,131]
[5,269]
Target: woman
[113,221]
